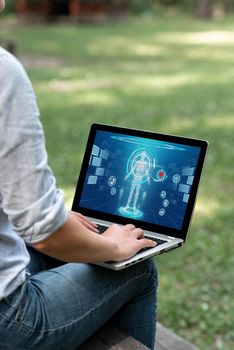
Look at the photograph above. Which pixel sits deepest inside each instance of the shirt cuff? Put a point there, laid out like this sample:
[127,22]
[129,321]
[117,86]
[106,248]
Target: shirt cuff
[55,218]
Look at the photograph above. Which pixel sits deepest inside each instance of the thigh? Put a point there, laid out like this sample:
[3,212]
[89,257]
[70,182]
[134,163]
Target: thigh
[65,305]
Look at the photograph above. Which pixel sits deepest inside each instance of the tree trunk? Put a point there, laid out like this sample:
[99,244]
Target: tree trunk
[226,6]
[204,8]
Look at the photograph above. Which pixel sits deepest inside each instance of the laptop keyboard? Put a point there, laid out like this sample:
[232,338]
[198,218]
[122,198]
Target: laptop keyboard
[102,228]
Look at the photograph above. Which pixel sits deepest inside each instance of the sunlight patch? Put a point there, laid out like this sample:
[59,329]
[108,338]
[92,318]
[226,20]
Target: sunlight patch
[95,98]
[79,85]
[147,50]
[180,124]
[220,122]
[165,81]
[202,38]
[207,208]
[126,47]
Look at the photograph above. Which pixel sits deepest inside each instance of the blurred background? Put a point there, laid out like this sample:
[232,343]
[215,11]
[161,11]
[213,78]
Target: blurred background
[160,65]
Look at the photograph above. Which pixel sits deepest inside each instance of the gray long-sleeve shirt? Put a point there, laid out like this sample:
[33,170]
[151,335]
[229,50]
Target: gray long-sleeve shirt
[31,208]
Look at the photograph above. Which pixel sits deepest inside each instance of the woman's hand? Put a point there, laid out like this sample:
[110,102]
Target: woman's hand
[128,240]
[77,241]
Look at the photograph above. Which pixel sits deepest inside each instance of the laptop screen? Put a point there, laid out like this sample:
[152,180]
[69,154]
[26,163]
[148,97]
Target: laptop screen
[138,178]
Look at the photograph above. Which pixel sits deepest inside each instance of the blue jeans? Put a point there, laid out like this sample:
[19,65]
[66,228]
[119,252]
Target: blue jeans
[60,305]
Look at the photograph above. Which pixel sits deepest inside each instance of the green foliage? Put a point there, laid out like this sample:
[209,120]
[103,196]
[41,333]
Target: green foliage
[154,6]
[139,6]
[168,74]
[9,7]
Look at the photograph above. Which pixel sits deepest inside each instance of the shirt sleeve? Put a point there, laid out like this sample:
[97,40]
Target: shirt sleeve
[34,206]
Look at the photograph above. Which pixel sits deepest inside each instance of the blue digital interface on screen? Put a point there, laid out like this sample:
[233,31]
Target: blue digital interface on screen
[140,178]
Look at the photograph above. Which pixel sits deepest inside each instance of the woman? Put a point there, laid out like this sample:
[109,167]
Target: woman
[49,296]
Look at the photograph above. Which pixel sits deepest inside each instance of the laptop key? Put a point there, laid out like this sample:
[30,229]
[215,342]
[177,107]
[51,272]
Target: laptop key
[101,228]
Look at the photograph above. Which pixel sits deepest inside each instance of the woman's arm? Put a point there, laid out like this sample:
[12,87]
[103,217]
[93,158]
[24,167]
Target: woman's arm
[73,242]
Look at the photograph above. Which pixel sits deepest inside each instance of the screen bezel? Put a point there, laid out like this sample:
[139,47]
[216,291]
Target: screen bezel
[182,233]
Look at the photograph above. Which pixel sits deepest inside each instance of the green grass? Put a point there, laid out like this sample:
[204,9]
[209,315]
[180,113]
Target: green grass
[172,75]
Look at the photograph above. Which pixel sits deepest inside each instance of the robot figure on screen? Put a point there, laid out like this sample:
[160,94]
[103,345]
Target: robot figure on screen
[139,172]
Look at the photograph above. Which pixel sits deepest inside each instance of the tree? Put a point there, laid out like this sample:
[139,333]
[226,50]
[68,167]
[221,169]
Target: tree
[226,6]
[204,8]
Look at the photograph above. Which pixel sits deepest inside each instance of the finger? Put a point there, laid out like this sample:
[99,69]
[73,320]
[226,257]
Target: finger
[88,222]
[78,216]
[146,243]
[89,226]
[84,220]
[138,232]
[129,227]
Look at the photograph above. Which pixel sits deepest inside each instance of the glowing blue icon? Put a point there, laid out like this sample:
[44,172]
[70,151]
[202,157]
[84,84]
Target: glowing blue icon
[131,212]
[163,194]
[113,191]
[176,178]
[165,202]
[161,212]
[112,181]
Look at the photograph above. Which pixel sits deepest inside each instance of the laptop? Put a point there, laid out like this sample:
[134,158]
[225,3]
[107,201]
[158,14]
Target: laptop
[140,177]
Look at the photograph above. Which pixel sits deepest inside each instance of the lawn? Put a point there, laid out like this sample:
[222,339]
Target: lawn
[172,75]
